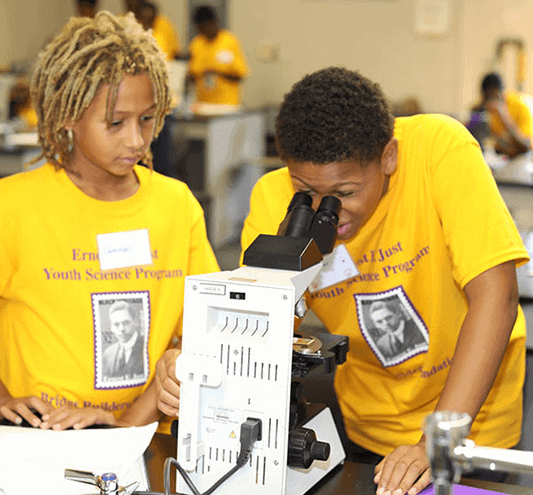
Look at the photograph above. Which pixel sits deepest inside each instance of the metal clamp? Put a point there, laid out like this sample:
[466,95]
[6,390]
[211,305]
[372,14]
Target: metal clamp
[107,483]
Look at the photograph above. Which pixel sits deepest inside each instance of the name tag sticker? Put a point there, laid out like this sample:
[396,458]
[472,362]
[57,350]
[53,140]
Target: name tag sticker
[124,249]
[337,266]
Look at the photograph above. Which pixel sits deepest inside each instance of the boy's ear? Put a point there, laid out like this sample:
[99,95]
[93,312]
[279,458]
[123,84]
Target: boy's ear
[389,157]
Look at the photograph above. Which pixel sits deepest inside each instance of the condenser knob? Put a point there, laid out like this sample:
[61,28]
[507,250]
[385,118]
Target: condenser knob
[304,448]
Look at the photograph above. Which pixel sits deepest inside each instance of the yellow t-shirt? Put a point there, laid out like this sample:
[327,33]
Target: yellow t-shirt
[166,36]
[441,223]
[55,332]
[520,111]
[223,54]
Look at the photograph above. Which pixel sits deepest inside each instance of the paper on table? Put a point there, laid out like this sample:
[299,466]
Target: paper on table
[34,460]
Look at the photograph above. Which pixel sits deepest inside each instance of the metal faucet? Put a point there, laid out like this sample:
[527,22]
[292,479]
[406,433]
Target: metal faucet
[450,453]
[107,483]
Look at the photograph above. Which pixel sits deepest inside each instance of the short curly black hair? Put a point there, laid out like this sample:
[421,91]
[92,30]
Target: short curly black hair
[334,115]
[492,80]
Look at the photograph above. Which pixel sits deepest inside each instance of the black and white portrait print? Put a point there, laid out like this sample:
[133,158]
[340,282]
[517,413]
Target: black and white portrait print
[391,326]
[121,323]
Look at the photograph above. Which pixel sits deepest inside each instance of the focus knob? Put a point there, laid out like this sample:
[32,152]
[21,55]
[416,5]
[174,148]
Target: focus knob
[304,448]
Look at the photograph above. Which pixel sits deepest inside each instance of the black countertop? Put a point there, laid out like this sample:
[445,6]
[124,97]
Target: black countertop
[349,478]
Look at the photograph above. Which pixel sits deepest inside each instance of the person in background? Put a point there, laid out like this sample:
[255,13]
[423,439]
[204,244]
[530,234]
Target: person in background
[421,222]
[91,227]
[147,13]
[510,117]
[20,103]
[217,65]
[87,8]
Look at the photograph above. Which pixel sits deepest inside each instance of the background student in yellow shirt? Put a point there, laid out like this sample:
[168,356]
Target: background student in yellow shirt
[510,117]
[164,32]
[217,65]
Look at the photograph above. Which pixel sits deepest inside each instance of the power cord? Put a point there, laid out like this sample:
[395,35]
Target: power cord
[250,433]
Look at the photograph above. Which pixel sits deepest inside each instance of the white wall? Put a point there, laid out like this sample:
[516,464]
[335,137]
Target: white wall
[483,24]
[377,37]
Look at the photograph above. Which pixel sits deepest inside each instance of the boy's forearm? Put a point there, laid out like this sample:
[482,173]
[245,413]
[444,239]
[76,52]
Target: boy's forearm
[143,411]
[493,300]
[4,394]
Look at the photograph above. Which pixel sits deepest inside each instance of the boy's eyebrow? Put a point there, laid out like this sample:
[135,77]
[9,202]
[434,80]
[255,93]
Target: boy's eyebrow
[339,184]
[118,112]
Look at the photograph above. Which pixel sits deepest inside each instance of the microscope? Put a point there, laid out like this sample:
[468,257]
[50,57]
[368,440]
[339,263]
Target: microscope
[450,453]
[244,426]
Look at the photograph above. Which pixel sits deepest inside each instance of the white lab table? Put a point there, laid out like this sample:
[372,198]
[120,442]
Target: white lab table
[16,150]
[234,142]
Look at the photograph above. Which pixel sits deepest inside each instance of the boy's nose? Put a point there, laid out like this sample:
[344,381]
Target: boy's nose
[134,138]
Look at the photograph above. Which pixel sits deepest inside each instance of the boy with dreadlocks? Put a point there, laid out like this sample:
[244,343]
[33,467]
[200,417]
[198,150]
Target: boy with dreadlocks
[422,228]
[92,228]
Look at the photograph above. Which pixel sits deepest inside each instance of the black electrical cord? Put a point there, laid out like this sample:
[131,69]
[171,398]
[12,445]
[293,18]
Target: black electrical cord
[250,433]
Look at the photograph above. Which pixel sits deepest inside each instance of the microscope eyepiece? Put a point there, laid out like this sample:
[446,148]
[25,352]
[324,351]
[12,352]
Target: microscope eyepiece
[324,226]
[303,237]
[300,214]
[300,198]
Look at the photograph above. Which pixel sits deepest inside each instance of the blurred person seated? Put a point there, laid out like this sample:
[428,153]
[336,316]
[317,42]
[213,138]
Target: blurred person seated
[502,120]
[217,65]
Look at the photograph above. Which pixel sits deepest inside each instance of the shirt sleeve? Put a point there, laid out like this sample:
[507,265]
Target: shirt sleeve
[194,62]
[238,67]
[477,226]
[166,37]
[525,120]
[268,206]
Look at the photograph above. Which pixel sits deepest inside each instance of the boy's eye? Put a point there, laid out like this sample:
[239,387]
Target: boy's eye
[116,123]
[147,118]
[344,194]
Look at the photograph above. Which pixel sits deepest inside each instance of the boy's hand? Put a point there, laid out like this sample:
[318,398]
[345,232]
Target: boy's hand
[168,388]
[24,408]
[75,417]
[404,470]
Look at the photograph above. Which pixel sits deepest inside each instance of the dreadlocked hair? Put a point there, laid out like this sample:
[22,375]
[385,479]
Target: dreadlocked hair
[333,115]
[86,54]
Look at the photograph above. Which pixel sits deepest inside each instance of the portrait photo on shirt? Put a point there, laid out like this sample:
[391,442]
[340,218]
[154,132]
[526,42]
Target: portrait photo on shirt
[121,325]
[391,326]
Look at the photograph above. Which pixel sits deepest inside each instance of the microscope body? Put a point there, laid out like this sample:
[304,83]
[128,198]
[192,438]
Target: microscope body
[236,363]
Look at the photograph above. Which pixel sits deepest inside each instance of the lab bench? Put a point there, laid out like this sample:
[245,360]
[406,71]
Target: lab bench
[20,150]
[350,478]
[225,166]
